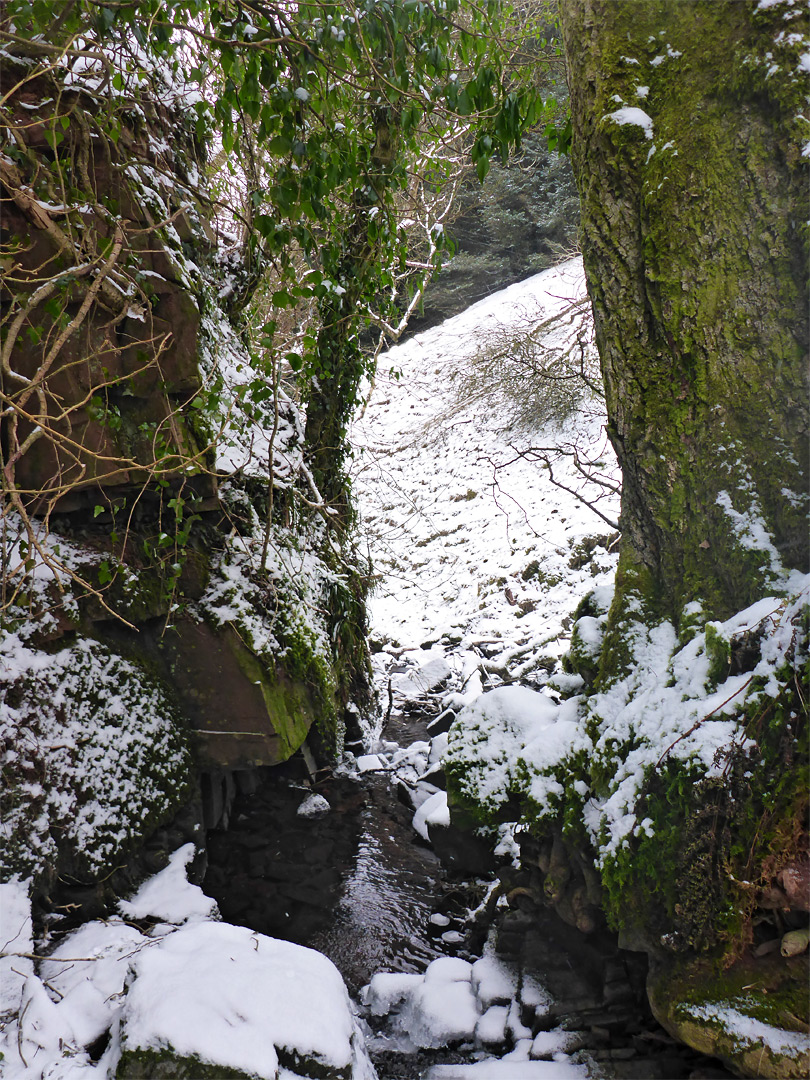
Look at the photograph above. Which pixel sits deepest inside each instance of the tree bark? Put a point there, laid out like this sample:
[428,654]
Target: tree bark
[694,236]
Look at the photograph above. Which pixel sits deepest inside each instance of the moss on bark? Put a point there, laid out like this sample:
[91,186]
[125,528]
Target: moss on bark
[696,259]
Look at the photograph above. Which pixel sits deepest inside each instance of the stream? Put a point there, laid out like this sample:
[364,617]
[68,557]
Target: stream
[354,881]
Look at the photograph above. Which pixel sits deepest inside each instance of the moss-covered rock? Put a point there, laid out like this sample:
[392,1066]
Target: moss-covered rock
[754,1015]
[168,1065]
[96,758]
[247,710]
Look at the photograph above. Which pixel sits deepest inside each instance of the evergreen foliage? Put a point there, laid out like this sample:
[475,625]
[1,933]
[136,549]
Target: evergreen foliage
[327,117]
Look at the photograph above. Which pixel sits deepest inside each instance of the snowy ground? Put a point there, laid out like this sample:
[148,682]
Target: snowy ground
[475,548]
[481,561]
[181,980]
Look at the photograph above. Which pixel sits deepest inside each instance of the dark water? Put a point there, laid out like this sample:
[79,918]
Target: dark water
[357,884]
[354,883]
[382,917]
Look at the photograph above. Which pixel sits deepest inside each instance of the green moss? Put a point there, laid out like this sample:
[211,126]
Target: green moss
[768,989]
[534,572]
[703,307]
[712,832]
[288,702]
[581,659]
[718,649]
[636,599]
[468,812]
[307,664]
[696,999]
[566,809]
[583,551]
[169,1065]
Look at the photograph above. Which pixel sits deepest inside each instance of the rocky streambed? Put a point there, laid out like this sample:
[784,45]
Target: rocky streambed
[333,862]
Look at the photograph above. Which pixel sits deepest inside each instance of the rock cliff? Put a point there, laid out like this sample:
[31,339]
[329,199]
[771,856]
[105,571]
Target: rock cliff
[164,619]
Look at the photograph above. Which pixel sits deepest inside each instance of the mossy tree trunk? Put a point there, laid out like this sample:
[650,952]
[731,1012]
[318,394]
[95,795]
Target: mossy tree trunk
[687,121]
[354,262]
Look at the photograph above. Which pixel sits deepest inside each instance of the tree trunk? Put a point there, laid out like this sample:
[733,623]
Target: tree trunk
[688,157]
[354,263]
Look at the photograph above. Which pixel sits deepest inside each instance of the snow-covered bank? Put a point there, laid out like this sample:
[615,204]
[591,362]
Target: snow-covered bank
[180,987]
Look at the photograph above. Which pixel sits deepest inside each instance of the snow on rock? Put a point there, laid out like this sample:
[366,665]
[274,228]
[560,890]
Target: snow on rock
[491,1027]
[590,632]
[438,748]
[631,114]
[517,1029]
[488,736]
[238,999]
[433,811]
[493,980]
[49,1019]
[425,678]
[418,796]
[506,1069]
[545,751]
[535,996]
[441,1013]
[748,1032]
[548,1043]
[207,990]
[389,989]
[448,969]
[313,806]
[433,1009]
[668,705]
[169,895]
[88,969]
[43,1028]
[370,763]
[455,1001]
[106,738]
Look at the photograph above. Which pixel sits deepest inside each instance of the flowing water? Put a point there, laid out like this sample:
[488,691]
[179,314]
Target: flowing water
[355,883]
[382,917]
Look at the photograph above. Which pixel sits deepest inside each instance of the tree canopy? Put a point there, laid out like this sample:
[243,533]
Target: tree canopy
[320,126]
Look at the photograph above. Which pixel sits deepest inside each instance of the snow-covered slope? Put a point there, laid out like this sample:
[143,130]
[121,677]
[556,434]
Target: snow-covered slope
[471,540]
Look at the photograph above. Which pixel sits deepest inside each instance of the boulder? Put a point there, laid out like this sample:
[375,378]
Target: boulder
[245,715]
[753,1016]
[187,1015]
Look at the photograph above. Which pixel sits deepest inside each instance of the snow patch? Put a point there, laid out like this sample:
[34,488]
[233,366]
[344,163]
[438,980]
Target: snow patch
[234,998]
[169,895]
[631,114]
